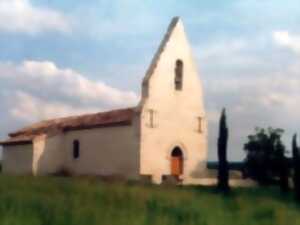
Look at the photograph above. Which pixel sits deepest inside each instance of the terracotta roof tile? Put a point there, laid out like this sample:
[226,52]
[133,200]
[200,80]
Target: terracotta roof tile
[117,117]
[18,140]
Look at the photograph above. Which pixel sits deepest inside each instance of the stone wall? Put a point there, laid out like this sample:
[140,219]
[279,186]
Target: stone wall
[169,117]
[17,159]
[110,151]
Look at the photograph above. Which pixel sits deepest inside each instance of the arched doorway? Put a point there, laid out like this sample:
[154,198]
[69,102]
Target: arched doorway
[176,162]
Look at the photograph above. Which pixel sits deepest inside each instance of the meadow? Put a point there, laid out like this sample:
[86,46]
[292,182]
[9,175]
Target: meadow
[61,201]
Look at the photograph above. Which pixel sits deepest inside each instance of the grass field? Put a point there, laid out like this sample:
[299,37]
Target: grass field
[60,201]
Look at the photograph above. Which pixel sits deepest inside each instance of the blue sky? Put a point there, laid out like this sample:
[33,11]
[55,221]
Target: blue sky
[247,52]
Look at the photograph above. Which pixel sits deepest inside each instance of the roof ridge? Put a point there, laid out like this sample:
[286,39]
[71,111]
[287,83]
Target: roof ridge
[161,48]
[58,121]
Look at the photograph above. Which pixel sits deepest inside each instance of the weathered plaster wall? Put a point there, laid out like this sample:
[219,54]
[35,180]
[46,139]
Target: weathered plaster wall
[175,117]
[104,151]
[17,159]
[111,151]
[48,155]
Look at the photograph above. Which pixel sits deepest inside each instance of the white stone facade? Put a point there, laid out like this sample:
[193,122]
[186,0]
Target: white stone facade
[178,115]
[165,118]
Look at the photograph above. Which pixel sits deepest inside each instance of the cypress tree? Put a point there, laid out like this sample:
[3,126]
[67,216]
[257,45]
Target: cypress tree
[296,167]
[284,169]
[223,170]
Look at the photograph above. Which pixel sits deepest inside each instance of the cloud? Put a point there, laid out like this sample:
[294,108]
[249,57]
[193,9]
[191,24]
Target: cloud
[36,90]
[30,108]
[285,39]
[23,16]
[224,47]
[232,56]
[268,100]
[45,79]
[256,82]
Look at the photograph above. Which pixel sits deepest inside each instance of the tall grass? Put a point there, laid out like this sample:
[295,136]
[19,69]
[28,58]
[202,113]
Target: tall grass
[61,201]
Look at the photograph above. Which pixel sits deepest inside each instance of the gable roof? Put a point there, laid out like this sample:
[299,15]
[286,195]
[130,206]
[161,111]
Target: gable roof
[160,49]
[119,117]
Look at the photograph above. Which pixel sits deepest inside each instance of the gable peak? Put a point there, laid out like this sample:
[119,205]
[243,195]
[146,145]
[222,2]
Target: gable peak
[174,22]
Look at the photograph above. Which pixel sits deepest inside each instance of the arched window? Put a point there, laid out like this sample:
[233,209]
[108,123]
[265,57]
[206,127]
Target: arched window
[76,149]
[178,74]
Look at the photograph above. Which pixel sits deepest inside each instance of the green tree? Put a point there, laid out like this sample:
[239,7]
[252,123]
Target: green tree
[223,170]
[265,159]
[296,167]
[283,167]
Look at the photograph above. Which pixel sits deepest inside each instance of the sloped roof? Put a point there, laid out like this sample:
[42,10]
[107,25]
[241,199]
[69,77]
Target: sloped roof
[161,48]
[22,139]
[119,117]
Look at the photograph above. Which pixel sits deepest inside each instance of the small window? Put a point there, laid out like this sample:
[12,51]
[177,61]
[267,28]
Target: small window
[200,128]
[151,118]
[178,74]
[76,149]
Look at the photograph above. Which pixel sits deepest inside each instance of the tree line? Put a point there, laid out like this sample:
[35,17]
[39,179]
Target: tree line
[266,161]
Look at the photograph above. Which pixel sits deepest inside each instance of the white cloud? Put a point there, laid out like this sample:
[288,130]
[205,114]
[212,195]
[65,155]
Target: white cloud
[23,16]
[285,39]
[29,108]
[230,55]
[39,90]
[46,79]
[257,87]
[269,100]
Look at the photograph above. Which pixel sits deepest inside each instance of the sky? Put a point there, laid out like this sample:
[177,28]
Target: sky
[63,57]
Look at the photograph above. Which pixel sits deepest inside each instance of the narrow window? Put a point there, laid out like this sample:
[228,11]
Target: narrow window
[151,111]
[178,74]
[76,149]
[199,124]
[150,119]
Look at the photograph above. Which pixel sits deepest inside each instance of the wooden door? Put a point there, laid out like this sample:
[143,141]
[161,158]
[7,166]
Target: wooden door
[176,165]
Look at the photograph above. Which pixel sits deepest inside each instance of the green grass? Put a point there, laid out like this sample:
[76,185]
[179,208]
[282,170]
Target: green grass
[60,201]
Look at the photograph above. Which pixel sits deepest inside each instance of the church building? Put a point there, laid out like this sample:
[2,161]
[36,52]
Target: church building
[163,137]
